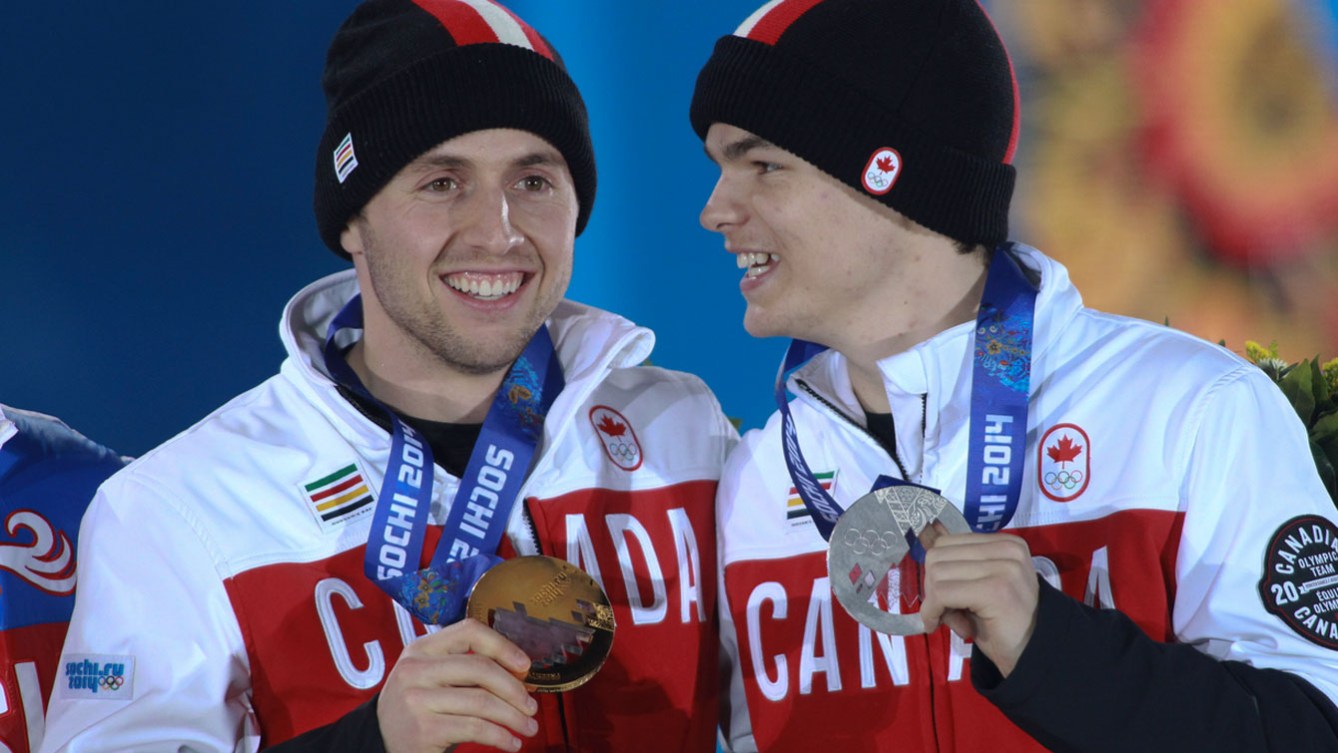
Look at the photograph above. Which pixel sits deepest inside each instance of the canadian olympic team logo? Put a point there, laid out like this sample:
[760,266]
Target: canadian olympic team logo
[620,442]
[882,170]
[1065,462]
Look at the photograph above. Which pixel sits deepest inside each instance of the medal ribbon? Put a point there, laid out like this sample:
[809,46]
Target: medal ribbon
[999,390]
[1000,387]
[489,488]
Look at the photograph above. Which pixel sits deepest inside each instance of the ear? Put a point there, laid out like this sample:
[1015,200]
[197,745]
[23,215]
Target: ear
[351,237]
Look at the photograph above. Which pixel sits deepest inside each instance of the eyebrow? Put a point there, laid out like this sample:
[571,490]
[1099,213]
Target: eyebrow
[449,161]
[736,149]
[540,158]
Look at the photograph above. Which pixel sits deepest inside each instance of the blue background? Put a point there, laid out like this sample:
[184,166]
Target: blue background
[156,163]
[155,199]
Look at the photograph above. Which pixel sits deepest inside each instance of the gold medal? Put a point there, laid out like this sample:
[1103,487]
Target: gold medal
[553,611]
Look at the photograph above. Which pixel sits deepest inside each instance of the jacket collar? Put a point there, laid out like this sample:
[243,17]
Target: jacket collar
[589,343]
[939,367]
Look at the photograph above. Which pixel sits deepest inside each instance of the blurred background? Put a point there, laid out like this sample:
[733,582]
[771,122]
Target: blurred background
[1180,156]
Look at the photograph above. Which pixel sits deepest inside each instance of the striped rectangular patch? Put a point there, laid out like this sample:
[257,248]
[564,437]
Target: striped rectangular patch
[795,510]
[344,158]
[339,497]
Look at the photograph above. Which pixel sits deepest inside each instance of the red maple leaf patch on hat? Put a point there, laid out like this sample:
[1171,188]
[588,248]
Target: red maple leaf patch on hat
[881,171]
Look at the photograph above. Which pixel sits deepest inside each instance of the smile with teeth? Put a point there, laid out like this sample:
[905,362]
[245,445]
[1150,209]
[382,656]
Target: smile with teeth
[756,263]
[485,287]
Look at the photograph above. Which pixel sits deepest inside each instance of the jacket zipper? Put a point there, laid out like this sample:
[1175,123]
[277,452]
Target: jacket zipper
[530,526]
[924,430]
[896,458]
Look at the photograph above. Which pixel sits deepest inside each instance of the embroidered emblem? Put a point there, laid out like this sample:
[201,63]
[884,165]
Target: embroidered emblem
[880,174]
[95,676]
[796,512]
[1064,463]
[1300,583]
[339,497]
[618,436]
[345,161]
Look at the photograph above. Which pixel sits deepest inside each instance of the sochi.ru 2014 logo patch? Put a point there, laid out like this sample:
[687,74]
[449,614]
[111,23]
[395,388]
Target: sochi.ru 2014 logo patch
[96,676]
[1065,462]
[1300,583]
[620,442]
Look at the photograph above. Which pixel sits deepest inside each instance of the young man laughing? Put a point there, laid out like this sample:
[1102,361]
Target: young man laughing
[1132,551]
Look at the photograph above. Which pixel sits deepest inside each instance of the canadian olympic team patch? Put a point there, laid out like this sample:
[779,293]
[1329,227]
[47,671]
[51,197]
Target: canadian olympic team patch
[882,171]
[1064,465]
[618,436]
[1300,583]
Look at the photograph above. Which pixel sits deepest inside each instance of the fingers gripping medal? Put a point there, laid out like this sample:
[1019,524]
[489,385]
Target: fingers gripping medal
[870,539]
[554,612]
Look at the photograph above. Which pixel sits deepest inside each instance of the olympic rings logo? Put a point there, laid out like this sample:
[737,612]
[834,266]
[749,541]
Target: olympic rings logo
[615,432]
[1063,479]
[112,682]
[622,449]
[869,541]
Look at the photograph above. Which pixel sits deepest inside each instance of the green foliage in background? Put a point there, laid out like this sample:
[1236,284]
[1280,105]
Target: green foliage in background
[1312,389]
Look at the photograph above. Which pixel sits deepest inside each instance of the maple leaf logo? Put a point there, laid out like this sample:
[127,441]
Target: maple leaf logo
[1064,452]
[885,164]
[611,427]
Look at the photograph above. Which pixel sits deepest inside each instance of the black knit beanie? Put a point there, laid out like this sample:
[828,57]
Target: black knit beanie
[912,102]
[402,76]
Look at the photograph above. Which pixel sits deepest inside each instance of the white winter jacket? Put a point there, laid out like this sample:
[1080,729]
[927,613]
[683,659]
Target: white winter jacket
[1165,478]
[219,608]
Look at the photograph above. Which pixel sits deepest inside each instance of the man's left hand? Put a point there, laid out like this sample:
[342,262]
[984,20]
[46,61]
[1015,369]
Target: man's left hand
[984,588]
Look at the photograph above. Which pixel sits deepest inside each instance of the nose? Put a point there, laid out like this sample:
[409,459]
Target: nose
[722,208]
[488,225]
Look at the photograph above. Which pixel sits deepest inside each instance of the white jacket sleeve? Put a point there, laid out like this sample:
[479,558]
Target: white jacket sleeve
[154,661]
[1251,478]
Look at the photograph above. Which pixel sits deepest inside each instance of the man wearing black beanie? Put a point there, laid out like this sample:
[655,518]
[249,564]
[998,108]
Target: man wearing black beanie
[1119,525]
[291,573]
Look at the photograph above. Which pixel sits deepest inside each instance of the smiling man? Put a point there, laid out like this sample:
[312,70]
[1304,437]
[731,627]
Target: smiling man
[290,573]
[1143,558]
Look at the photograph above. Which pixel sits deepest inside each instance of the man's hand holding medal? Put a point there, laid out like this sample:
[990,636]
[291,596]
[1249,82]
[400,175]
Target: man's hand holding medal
[982,586]
[532,624]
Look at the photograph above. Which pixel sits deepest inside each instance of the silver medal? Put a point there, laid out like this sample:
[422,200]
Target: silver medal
[869,540]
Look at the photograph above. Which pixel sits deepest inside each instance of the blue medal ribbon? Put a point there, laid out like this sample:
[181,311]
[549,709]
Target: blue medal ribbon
[1000,388]
[489,488]
[821,506]
[1001,380]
